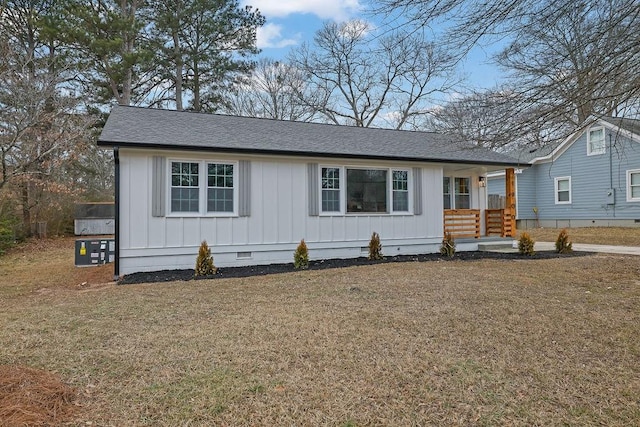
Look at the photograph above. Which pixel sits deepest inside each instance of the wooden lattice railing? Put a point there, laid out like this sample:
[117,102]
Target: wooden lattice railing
[499,222]
[462,222]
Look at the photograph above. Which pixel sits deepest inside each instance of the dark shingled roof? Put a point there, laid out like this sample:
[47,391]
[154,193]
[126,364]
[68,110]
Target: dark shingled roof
[166,129]
[632,125]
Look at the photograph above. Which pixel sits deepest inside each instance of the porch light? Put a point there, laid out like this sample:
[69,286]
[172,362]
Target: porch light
[482,181]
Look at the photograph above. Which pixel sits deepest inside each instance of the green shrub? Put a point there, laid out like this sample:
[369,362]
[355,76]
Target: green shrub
[563,244]
[448,247]
[301,256]
[375,247]
[525,244]
[204,262]
[7,236]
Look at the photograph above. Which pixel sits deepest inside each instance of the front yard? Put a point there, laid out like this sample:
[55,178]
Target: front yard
[531,342]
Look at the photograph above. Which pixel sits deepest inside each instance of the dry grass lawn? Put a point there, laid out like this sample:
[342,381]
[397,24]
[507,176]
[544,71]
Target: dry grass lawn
[618,236]
[528,342]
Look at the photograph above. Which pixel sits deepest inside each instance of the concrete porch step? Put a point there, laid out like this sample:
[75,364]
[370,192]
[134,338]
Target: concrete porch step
[503,247]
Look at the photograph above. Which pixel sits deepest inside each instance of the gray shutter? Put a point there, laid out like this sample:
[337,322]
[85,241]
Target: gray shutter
[158,187]
[417,191]
[244,188]
[312,179]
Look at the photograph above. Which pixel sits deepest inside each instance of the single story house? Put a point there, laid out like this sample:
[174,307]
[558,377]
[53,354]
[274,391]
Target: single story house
[592,178]
[253,188]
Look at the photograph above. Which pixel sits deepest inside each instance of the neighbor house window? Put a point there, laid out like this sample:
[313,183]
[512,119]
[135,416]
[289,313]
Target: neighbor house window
[462,193]
[219,187]
[185,189]
[330,189]
[367,190]
[563,190]
[400,192]
[595,141]
[633,186]
[446,192]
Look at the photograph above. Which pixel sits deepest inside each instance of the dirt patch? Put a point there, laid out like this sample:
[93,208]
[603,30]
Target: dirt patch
[260,270]
[33,397]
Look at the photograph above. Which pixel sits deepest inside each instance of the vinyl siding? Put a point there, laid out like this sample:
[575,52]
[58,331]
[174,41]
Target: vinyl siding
[591,178]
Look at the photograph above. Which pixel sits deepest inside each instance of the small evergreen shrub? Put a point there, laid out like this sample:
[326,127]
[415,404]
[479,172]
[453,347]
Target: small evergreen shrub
[525,244]
[7,235]
[448,247]
[375,247]
[301,256]
[563,244]
[204,262]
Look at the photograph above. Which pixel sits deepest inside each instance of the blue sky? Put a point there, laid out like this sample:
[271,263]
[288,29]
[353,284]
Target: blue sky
[291,22]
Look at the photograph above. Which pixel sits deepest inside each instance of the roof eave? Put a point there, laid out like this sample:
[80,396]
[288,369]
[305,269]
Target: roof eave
[106,143]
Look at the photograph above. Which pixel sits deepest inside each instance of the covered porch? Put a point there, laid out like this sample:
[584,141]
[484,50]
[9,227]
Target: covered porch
[470,223]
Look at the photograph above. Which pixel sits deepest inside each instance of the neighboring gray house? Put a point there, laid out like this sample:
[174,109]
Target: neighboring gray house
[253,188]
[590,179]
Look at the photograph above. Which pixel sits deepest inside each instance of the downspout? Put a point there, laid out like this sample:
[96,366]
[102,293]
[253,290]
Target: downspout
[116,264]
[611,175]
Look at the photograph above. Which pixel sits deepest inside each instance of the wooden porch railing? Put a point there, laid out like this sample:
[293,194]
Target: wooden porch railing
[462,222]
[499,222]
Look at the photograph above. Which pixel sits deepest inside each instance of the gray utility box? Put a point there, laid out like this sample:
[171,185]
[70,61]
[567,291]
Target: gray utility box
[94,251]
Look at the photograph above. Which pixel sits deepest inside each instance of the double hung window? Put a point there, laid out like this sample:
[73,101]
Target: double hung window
[185,189]
[202,187]
[461,192]
[563,190]
[633,186]
[595,141]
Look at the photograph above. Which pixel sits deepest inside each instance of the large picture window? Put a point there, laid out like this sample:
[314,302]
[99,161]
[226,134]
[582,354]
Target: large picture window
[219,187]
[346,190]
[596,141]
[367,190]
[185,189]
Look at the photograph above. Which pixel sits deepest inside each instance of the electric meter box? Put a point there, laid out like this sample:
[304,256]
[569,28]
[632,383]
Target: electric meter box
[90,252]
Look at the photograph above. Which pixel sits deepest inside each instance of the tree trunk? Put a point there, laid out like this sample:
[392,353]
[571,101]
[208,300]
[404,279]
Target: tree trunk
[26,210]
[179,68]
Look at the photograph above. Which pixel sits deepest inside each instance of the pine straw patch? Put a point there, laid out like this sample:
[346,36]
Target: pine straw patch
[32,397]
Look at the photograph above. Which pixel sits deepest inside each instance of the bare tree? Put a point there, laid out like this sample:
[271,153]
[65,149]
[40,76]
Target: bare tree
[574,58]
[360,79]
[492,119]
[577,66]
[271,91]
[40,127]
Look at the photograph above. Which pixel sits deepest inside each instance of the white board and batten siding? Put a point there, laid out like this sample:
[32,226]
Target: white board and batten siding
[278,216]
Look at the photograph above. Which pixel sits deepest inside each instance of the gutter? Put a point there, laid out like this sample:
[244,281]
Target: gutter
[116,265]
[307,154]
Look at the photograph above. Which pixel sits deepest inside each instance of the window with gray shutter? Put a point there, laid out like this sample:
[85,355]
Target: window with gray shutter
[417,191]
[244,189]
[158,186]
[312,179]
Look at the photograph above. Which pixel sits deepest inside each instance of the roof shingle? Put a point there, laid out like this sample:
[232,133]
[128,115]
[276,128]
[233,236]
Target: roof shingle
[168,129]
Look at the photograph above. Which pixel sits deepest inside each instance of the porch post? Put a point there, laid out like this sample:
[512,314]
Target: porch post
[510,202]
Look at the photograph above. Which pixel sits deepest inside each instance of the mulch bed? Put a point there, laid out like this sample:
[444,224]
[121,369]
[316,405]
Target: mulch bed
[259,270]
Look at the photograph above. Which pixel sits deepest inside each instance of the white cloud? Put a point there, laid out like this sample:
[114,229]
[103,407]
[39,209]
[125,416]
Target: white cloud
[270,35]
[337,10]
